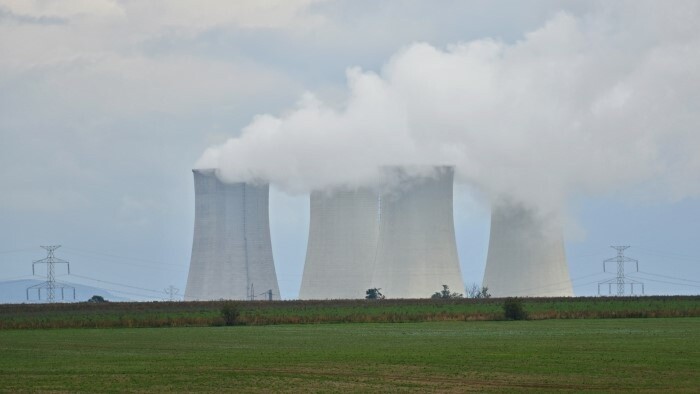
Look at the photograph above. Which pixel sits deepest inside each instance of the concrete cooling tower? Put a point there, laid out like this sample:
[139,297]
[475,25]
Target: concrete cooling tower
[231,249]
[342,243]
[416,251]
[526,256]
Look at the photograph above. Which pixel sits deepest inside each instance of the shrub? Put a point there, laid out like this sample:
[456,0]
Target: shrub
[230,313]
[513,309]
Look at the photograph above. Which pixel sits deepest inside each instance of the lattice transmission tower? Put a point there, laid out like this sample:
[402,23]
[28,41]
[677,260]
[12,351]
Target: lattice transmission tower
[50,285]
[620,281]
[173,293]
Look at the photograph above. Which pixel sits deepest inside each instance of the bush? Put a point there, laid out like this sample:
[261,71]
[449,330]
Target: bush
[230,313]
[513,309]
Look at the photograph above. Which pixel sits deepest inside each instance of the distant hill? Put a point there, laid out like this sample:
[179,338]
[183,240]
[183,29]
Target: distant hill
[15,292]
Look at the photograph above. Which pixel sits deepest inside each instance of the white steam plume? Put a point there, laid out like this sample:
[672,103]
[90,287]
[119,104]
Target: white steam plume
[580,105]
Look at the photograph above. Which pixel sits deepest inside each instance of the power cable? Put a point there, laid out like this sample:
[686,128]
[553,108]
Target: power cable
[122,292]
[669,277]
[17,277]
[585,255]
[586,284]
[671,255]
[670,283]
[130,293]
[123,257]
[125,263]
[16,250]
[116,284]
[564,282]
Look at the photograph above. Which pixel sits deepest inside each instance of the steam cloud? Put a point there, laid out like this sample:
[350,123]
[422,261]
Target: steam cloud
[582,105]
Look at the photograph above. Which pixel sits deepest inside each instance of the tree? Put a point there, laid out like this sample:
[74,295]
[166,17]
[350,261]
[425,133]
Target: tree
[478,292]
[374,294]
[513,309]
[97,298]
[446,294]
[230,313]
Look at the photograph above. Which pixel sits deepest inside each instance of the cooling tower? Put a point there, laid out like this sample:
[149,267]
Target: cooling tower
[340,254]
[526,255]
[231,249]
[416,251]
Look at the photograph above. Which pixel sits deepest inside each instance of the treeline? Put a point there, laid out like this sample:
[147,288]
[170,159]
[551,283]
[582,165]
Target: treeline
[219,313]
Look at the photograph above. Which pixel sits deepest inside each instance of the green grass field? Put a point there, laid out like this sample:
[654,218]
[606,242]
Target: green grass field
[639,355]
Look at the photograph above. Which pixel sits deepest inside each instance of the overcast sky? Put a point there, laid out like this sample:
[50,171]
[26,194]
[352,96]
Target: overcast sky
[590,109]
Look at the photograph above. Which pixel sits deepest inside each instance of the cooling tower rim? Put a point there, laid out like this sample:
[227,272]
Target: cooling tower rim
[204,171]
[217,173]
[417,167]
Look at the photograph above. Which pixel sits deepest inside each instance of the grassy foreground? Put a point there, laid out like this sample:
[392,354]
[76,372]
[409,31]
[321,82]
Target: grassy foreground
[179,314]
[640,355]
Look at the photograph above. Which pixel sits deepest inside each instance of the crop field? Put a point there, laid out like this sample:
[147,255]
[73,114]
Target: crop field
[180,314]
[635,355]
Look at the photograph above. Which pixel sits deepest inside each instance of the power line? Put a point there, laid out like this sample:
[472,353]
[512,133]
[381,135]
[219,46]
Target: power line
[122,257]
[130,293]
[669,277]
[121,291]
[672,283]
[563,284]
[168,267]
[110,255]
[51,285]
[678,256]
[116,284]
[585,255]
[16,278]
[586,284]
[16,251]
[586,276]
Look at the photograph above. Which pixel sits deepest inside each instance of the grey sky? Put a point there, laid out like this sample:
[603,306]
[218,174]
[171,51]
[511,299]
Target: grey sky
[105,106]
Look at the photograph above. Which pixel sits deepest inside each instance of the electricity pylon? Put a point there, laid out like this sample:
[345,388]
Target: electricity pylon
[620,280]
[172,292]
[50,285]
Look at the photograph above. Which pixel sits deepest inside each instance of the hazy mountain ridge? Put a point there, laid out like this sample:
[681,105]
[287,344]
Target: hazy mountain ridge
[15,291]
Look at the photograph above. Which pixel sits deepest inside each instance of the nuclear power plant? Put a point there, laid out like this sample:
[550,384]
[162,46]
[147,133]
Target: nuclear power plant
[526,256]
[398,236]
[231,248]
[401,239]
[343,231]
[416,249]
